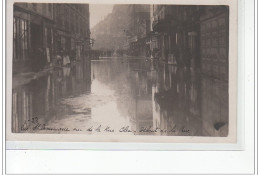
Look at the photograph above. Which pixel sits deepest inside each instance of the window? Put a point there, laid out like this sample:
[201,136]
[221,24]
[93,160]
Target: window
[20,39]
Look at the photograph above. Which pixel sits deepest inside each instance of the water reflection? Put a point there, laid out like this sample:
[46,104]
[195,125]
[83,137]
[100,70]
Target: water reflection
[137,94]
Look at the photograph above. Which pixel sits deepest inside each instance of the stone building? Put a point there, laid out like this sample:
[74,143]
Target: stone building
[192,36]
[41,30]
[174,30]
[214,42]
[138,29]
[72,29]
[214,62]
[109,34]
[196,37]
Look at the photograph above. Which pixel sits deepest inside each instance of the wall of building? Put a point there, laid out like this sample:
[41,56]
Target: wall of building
[72,29]
[197,36]
[42,9]
[171,25]
[214,32]
[214,42]
[110,33]
[42,30]
[139,29]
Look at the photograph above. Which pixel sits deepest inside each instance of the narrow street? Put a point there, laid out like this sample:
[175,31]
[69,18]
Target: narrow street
[134,92]
[142,69]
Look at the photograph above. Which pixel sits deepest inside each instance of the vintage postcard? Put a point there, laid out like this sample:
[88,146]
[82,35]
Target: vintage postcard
[158,72]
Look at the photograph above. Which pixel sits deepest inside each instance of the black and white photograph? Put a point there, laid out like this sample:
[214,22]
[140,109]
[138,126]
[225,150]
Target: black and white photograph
[130,86]
[121,70]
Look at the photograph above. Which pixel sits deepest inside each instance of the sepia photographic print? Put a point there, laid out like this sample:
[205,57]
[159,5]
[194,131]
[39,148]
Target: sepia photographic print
[123,72]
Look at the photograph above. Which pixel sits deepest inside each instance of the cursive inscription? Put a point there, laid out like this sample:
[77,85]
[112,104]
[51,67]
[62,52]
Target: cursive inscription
[34,124]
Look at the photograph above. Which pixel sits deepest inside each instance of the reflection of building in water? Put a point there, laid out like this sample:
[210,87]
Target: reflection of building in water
[81,78]
[145,95]
[28,103]
[166,97]
[185,100]
[22,108]
[132,83]
[40,98]
[144,112]
[175,102]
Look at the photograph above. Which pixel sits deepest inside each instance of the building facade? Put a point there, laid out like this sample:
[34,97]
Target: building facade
[138,30]
[192,36]
[109,33]
[42,30]
[197,37]
[72,29]
[175,30]
[214,42]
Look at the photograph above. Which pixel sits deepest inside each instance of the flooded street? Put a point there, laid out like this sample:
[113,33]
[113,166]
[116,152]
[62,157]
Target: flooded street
[122,96]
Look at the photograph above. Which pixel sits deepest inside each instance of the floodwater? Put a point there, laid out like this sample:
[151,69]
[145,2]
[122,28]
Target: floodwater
[122,96]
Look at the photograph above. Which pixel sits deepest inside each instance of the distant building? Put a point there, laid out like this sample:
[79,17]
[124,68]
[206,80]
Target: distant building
[51,29]
[110,33]
[124,31]
[138,29]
